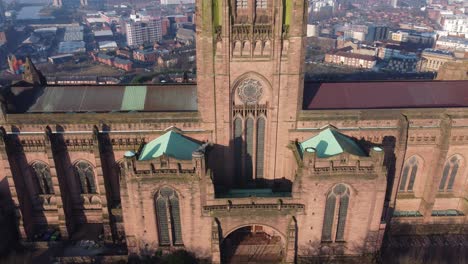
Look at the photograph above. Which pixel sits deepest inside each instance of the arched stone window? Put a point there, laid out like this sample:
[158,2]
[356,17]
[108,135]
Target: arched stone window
[448,175]
[336,210]
[242,4]
[250,112]
[238,147]
[42,178]
[260,147]
[168,217]
[85,173]
[249,148]
[409,170]
[261,4]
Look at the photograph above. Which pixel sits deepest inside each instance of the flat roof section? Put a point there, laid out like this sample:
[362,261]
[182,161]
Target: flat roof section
[106,98]
[385,95]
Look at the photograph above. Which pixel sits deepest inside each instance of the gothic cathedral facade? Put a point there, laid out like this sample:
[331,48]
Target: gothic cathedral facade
[243,159]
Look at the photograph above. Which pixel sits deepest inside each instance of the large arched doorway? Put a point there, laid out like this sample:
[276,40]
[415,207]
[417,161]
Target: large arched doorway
[253,244]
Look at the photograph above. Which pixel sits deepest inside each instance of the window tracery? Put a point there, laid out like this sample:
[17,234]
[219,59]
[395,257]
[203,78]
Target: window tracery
[410,169]
[336,210]
[249,130]
[449,174]
[85,173]
[168,217]
[43,178]
[242,4]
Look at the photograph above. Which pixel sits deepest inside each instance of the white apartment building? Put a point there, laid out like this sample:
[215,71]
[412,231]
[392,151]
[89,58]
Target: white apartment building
[452,44]
[142,29]
[455,23]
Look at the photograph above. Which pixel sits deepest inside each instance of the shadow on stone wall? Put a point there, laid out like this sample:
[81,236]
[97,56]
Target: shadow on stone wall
[178,256]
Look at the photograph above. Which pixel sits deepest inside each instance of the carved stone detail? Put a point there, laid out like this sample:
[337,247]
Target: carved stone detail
[250,91]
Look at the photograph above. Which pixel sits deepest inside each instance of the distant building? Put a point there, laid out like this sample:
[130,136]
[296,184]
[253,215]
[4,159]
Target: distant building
[102,35]
[351,59]
[123,64]
[432,60]
[388,51]
[452,43]
[59,59]
[424,38]
[455,24]
[186,36]
[376,33]
[143,29]
[107,45]
[71,47]
[313,30]
[402,64]
[73,33]
[124,52]
[165,24]
[145,55]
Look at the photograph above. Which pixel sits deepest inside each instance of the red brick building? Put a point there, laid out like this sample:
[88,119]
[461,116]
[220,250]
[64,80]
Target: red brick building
[250,155]
[351,59]
[117,62]
[145,55]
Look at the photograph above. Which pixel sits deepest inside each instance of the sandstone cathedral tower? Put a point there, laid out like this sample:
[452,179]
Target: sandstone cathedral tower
[251,163]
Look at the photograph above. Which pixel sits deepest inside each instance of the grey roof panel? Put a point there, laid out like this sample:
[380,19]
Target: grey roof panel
[107,98]
[172,98]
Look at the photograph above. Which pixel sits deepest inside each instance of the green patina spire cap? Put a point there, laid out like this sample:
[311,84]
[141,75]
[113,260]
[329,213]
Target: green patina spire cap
[330,142]
[171,144]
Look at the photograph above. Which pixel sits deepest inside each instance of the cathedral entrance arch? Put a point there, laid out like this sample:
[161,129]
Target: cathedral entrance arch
[253,244]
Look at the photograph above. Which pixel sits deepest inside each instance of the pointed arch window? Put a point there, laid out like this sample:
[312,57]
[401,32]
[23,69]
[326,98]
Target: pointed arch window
[449,174]
[242,4]
[250,129]
[168,217]
[249,148]
[336,211]
[260,147]
[42,178]
[238,148]
[408,177]
[85,173]
[261,4]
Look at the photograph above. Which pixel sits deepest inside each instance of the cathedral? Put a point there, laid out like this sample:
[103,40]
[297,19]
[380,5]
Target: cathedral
[251,162]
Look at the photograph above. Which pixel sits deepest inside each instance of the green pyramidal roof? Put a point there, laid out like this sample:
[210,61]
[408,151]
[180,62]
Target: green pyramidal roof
[330,142]
[171,144]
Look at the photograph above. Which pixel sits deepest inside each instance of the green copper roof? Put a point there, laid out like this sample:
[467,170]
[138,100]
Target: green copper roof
[330,142]
[134,98]
[171,144]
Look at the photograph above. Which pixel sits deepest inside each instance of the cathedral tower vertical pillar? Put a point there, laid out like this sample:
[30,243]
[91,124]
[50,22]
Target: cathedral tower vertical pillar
[250,82]
[56,186]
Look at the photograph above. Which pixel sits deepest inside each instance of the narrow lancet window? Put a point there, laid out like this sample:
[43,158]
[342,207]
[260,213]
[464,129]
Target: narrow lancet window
[42,178]
[249,149]
[260,147]
[409,170]
[238,149]
[168,217]
[336,211]
[449,174]
[85,173]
